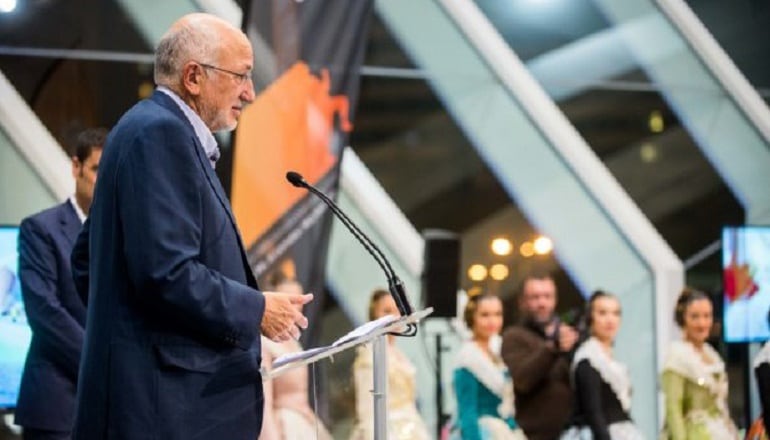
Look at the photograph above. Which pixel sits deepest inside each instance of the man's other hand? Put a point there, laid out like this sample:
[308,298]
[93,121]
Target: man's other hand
[568,336]
[283,316]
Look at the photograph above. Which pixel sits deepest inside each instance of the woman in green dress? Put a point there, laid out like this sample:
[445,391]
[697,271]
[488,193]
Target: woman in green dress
[694,377]
[482,385]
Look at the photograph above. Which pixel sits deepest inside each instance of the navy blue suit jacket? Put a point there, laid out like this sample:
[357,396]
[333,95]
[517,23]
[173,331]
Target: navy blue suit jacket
[57,317]
[172,348]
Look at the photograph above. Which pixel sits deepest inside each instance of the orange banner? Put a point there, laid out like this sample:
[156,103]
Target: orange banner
[289,127]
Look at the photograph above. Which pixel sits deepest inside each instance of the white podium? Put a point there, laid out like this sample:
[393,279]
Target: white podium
[375,332]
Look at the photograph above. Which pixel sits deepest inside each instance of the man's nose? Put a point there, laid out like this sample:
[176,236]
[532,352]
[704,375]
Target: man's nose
[248,94]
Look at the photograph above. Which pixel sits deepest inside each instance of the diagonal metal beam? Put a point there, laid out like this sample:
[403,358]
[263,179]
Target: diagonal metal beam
[724,114]
[602,238]
[34,142]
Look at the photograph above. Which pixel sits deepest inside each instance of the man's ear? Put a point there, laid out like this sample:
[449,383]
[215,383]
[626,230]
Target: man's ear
[192,75]
[76,166]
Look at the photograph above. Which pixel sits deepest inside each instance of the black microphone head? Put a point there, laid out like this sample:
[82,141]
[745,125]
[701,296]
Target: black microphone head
[296,179]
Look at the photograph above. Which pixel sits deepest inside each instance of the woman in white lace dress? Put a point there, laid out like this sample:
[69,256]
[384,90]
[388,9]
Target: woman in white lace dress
[602,386]
[288,415]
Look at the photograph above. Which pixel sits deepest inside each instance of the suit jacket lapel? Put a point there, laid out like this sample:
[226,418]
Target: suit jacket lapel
[69,222]
[216,185]
[166,101]
[213,180]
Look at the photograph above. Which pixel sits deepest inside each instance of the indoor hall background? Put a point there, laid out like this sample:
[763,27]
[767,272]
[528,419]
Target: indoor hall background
[402,129]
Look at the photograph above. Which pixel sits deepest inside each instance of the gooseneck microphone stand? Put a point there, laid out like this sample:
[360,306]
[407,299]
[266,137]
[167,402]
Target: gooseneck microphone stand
[397,291]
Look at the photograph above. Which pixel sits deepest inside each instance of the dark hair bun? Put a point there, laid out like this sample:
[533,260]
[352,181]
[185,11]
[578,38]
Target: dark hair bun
[687,297]
[472,305]
[588,313]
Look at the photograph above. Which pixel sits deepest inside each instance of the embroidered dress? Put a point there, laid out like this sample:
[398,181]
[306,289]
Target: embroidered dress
[404,422]
[484,393]
[696,395]
[291,409]
[603,392]
[759,428]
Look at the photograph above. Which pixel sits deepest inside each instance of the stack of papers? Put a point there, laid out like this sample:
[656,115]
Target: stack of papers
[357,333]
[365,329]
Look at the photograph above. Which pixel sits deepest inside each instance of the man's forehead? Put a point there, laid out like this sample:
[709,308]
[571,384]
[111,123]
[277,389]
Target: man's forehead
[536,285]
[94,153]
[241,55]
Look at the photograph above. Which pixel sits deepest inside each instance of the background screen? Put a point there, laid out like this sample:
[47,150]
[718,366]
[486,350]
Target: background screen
[746,283]
[15,334]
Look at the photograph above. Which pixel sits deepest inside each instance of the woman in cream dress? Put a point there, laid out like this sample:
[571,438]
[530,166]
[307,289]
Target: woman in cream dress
[694,377]
[288,415]
[404,422]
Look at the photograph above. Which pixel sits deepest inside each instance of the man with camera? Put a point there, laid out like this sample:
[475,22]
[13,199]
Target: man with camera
[537,352]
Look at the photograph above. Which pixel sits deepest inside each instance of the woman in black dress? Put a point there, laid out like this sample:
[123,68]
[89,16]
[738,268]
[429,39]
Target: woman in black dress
[602,386]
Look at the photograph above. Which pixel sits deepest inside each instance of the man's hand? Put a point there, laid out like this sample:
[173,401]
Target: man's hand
[568,336]
[283,316]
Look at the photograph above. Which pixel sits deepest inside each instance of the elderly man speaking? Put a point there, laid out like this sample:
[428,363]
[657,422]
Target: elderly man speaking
[172,346]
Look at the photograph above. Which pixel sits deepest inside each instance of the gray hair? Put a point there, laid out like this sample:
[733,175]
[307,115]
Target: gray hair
[195,41]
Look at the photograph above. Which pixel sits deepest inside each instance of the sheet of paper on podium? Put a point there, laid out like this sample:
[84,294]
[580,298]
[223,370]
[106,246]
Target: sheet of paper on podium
[358,332]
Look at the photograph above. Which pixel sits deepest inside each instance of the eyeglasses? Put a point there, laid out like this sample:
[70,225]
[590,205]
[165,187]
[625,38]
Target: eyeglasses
[240,78]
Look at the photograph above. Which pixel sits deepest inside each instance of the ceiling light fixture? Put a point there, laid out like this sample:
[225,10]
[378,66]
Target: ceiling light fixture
[543,245]
[527,249]
[7,6]
[656,123]
[477,272]
[498,272]
[648,153]
[501,246]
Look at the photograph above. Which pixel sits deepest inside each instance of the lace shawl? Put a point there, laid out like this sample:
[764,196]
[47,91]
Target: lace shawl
[614,373]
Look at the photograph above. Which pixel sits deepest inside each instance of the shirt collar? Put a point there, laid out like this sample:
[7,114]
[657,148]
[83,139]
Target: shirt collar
[78,211]
[202,132]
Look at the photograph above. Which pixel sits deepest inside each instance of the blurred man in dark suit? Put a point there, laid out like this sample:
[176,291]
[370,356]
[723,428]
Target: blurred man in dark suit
[172,347]
[46,406]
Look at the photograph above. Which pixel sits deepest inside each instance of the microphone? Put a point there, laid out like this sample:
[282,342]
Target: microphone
[395,285]
[296,179]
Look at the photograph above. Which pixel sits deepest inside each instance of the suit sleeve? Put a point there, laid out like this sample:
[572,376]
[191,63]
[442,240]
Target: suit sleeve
[763,383]
[79,262]
[467,391]
[161,183]
[528,363]
[588,385]
[58,331]
[673,392]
